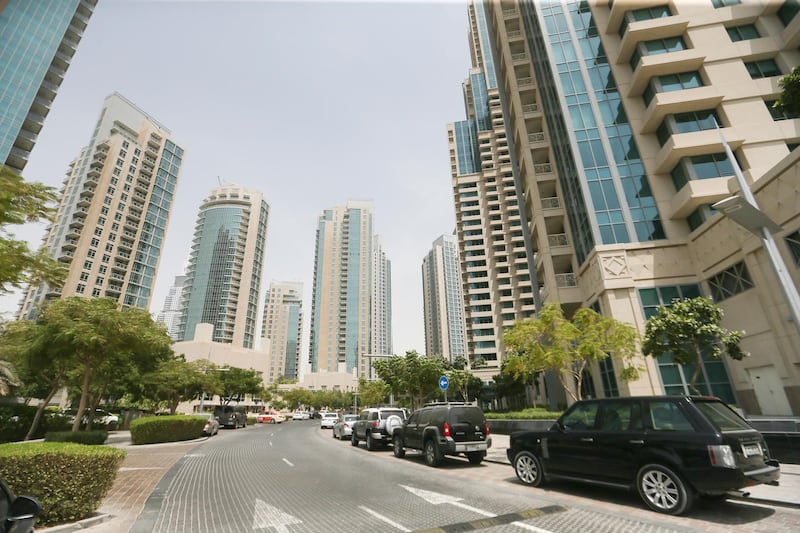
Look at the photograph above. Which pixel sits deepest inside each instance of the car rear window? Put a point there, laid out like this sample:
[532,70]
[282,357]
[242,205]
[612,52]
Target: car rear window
[393,412]
[465,415]
[722,416]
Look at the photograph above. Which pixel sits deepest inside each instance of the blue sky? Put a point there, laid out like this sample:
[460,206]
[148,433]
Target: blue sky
[312,103]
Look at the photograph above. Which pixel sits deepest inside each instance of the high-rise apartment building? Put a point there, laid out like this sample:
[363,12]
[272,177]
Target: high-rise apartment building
[171,311]
[283,326]
[223,279]
[114,209]
[37,42]
[613,111]
[345,292]
[496,280]
[381,300]
[443,300]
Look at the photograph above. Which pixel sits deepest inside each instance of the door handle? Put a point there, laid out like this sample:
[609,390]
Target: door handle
[587,439]
[635,442]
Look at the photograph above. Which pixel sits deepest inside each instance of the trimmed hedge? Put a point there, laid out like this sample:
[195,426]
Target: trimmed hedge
[153,429]
[16,420]
[533,413]
[70,480]
[252,420]
[94,437]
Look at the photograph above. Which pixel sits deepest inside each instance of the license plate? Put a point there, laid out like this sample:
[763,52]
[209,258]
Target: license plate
[750,450]
[474,447]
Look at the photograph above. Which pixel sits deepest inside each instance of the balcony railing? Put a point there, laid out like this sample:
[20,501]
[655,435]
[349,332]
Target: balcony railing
[551,203]
[566,280]
[558,239]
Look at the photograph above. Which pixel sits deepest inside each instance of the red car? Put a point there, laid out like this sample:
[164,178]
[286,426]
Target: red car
[270,418]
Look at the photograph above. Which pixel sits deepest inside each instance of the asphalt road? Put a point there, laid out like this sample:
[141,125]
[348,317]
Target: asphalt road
[295,478]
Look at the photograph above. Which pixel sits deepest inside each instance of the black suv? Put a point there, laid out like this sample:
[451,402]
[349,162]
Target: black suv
[17,513]
[376,426]
[669,448]
[440,429]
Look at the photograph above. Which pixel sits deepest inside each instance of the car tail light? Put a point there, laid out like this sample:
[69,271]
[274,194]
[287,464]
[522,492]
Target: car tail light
[375,424]
[446,429]
[721,455]
[487,429]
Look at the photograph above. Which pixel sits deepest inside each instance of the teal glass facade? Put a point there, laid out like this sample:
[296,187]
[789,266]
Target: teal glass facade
[30,35]
[606,191]
[713,379]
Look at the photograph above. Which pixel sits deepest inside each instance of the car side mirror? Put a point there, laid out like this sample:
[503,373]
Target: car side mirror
[558,426]
[24,508]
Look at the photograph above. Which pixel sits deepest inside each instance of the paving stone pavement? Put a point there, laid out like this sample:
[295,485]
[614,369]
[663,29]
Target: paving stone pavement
[145,465]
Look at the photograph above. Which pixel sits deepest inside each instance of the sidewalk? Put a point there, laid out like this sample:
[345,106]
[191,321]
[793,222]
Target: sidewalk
[787,493]
[145,465]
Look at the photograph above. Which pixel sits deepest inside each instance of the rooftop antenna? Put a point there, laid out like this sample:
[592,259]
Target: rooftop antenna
[220,181]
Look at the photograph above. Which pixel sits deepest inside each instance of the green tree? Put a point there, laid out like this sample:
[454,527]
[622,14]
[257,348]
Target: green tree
[414,376]
[86,343]
[789,99]
[175,380]
[236,382]
[372,392]
[550,341]
[688,328]
[22,202]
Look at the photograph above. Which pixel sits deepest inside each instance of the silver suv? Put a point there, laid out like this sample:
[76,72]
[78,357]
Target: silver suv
[377,425]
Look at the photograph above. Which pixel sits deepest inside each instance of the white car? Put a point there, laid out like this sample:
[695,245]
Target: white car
[297,415]
[328,420]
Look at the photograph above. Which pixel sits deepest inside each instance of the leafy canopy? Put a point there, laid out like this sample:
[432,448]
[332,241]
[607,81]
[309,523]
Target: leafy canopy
[686,330]
[550,341]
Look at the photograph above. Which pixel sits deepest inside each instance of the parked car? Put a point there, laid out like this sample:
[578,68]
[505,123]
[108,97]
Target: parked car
[17,513]
[270,418]
[670,449]
[230,416]
[376,426]
[446,428]
[212,424]
[343,428]
[328,420]
[101,416]
[301,415]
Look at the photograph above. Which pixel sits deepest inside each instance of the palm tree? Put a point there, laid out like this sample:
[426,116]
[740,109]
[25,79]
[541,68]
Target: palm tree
[8,378]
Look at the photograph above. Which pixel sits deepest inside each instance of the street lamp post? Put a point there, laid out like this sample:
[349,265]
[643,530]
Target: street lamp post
[744,211]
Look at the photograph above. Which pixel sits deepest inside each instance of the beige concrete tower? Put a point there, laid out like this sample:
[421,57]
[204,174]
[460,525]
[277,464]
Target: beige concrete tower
[496,281]
[611,110]
[283,326]
[114,210]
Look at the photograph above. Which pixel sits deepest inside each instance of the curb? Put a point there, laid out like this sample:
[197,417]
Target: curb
[86,523]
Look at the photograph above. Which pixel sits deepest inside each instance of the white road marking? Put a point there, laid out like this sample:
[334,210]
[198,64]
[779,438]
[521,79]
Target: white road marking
[384,519]
[437,498]
[285,460]
[266,516]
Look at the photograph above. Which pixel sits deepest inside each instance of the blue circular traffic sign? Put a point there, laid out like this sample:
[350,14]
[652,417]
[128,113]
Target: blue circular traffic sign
[443,382]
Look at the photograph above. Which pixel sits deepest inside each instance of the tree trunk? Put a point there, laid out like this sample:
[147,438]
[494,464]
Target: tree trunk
[87,375]
[698,365]
[37,418]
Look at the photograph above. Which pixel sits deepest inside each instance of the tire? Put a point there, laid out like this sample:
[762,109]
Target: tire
[528,468]
[662,490]
[475,458]
[432,454]
[353,439]
[392,423]
[397,447]
[371,445]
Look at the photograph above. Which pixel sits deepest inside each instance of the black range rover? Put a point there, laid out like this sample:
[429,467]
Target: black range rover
[671,449]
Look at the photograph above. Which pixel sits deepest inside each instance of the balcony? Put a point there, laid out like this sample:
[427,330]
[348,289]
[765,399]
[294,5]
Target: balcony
[518,57]
[530,108]
[537,138]
[551,203]
[557,239]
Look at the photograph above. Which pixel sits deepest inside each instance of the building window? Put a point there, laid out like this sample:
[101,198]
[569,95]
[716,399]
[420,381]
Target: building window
[779,113]
[80,288]
[725,3]
[788,10]
[701,167]
[699,215]
[765,68]
[730,282]
[647,13]
[656,47]
[670,83]
[793,242]
[84,276]
[686,122]
[743,33]
[96,292]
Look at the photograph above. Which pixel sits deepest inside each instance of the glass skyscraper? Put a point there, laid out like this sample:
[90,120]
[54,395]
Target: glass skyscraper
[283,327]
[223,280]
[37,41]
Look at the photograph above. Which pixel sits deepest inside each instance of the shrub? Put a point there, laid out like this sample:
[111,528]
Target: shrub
[532,413]
[16,420]
[173,428]
[70,480]
[94,437]
[252,420]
